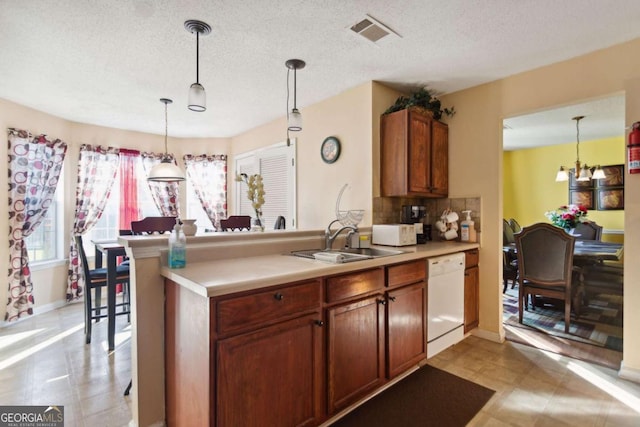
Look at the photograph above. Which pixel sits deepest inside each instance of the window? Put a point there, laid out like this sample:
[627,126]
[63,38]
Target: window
[277,165]
[195,209]
[108,226]
[45,243]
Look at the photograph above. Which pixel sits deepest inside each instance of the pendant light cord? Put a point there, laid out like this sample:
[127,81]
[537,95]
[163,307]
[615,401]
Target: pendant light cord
[198,57]
[166,130]
[578,140]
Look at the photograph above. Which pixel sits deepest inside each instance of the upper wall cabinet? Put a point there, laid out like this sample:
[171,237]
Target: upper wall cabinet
[414,155]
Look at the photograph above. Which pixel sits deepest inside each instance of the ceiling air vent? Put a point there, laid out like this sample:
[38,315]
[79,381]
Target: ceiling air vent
[372,30]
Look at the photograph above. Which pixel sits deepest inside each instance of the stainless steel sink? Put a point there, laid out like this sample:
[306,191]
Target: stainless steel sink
[373,252]
[349,255]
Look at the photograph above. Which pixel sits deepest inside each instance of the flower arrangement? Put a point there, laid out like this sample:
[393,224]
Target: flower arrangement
[567,216]
[255,192]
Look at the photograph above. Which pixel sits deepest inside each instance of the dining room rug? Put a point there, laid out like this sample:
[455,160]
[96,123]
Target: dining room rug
[600,323]
[427,397]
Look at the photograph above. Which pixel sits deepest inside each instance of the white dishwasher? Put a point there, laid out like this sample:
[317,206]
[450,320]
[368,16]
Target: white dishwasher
[445,305]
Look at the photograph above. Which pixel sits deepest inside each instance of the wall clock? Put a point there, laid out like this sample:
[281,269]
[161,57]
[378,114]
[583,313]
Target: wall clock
[330,149]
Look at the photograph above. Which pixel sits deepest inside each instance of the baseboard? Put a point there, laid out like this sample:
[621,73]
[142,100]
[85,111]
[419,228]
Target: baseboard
[40,309]
[498,337]
[630,374]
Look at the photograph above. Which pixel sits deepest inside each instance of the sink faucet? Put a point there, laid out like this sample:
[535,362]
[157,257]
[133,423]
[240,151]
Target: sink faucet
[329,238]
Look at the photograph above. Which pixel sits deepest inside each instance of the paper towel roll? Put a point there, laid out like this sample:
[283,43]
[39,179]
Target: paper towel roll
[335,258]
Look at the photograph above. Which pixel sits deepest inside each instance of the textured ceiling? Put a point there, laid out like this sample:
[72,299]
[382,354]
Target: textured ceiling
[107,62]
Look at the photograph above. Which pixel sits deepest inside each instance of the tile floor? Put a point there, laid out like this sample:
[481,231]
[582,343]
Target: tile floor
[43,360]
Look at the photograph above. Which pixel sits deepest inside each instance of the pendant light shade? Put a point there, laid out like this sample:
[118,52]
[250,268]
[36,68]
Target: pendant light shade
[582,171]
[166,170]
[562,175]
[598,173]
[197,95]
[294,118]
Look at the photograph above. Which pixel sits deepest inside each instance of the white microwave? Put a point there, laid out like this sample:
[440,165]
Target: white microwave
[393,234]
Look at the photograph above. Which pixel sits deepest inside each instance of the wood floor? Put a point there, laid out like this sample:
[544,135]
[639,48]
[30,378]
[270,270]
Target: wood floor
[44,361]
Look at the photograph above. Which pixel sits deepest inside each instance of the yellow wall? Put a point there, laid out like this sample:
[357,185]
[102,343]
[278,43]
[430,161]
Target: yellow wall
[476,162]
[529,180]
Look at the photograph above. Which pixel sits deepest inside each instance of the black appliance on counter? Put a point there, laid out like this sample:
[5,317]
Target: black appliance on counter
[417,215]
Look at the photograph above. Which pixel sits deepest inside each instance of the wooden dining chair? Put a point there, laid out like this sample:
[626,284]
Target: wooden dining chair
[507,233]
[545,264]
[96,279]
[153,224]
[236,223]
[515,226]
[587,231]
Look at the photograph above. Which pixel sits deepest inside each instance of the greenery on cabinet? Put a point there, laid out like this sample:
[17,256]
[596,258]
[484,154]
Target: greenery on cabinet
[422,99]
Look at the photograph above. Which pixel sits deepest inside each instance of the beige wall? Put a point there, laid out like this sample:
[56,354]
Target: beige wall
[346,116]
[475,135]
[50,283]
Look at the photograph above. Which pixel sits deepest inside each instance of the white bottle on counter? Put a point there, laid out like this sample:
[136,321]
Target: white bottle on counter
[177,247]
[467,228]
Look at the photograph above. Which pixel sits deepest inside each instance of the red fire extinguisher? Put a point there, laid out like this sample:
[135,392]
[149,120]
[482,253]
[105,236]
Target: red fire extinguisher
[634,148]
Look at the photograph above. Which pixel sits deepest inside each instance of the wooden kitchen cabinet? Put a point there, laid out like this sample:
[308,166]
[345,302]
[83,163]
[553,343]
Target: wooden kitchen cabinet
[406,316]
[355,336]
[250,359]
[271,377]
[355,351]
[414,155]
[471,290]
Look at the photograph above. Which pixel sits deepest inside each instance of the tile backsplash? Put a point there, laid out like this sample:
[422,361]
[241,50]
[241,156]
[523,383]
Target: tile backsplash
[387,210]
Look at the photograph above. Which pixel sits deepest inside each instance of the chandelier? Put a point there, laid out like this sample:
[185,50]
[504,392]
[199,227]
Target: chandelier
[582,171]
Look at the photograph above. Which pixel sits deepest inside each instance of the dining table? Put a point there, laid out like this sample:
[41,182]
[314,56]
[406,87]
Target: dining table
[111,250]
[587,251]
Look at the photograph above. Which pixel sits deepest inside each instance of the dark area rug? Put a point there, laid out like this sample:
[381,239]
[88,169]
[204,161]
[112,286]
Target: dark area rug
[427,397]
[600,323]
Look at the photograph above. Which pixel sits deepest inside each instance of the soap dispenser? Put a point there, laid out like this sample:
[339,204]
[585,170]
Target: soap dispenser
[177,247]
[467,228]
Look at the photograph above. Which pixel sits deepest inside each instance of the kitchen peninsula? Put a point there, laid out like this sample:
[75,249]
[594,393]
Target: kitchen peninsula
[244,321]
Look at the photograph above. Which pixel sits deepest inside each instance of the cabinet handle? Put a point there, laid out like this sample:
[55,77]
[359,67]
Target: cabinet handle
[278,296]
[392,298]
[319,323]
[382,302]
[466,274]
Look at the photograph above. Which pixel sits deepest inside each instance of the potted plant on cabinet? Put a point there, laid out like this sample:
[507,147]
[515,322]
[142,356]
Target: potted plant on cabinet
[424,100]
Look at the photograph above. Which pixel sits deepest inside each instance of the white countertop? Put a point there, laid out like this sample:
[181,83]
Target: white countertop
[225,276]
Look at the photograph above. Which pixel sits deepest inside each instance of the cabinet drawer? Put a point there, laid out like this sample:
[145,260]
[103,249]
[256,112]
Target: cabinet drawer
[407,273]
[471,258]
[354,284]
[255,310]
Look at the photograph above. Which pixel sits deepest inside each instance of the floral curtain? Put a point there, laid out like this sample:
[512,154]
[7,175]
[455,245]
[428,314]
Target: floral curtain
[34,169]
[128,188]
[208,175]
[165,194]
[97,168]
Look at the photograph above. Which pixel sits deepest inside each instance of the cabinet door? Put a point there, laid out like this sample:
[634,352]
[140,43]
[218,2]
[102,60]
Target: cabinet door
[419,153]
[471,298]
[439,159]
[355,351]
[271,377]
[406,328]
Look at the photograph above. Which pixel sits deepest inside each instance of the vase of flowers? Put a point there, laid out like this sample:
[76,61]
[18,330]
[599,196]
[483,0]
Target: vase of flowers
[255,194]
[567,216]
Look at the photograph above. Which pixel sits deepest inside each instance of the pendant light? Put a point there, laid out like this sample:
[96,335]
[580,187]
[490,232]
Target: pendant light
[582,172]
[294,118]
[197,95]
[166,170]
